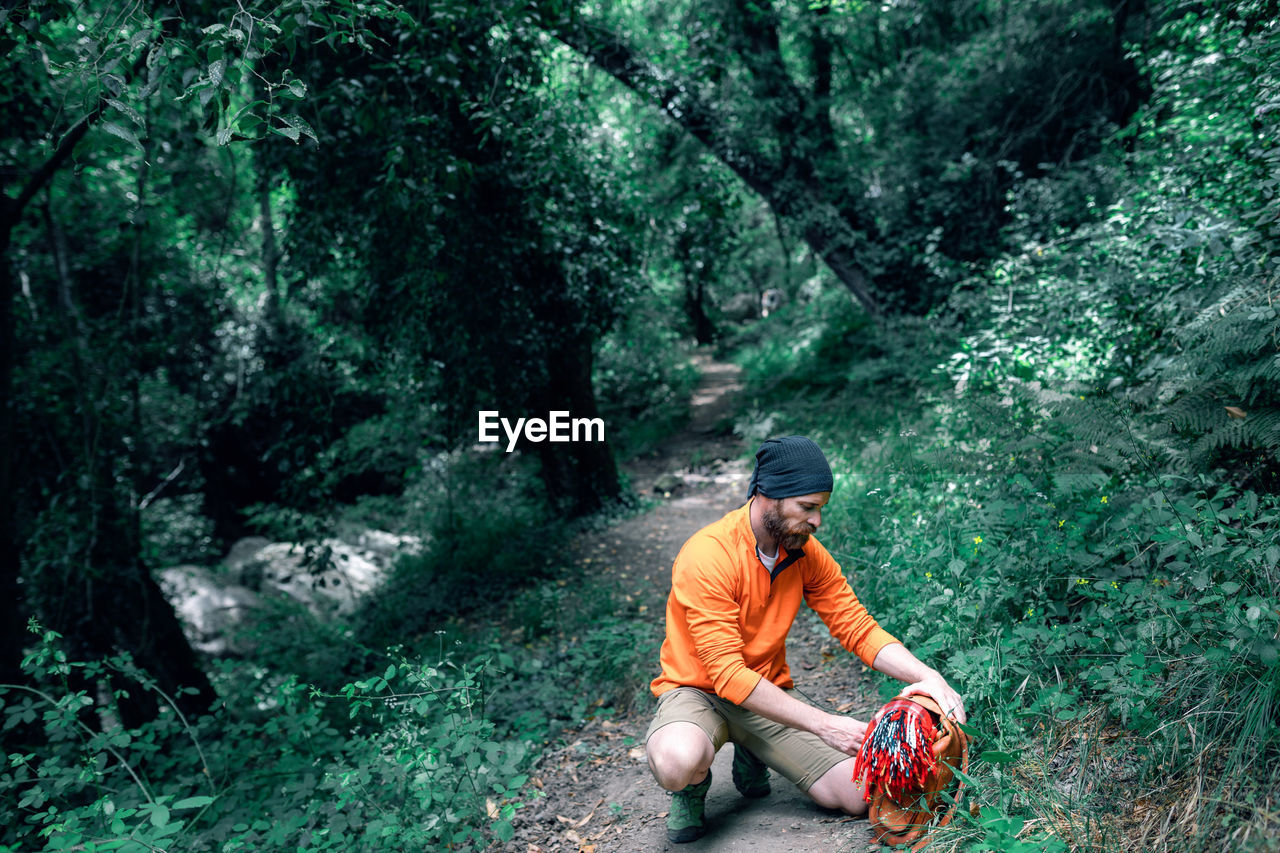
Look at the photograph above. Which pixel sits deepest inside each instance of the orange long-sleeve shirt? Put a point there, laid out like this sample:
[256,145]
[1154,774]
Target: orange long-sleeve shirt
[728,618]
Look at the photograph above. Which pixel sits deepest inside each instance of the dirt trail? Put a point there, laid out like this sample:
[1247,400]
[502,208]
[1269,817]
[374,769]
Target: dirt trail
[599,794]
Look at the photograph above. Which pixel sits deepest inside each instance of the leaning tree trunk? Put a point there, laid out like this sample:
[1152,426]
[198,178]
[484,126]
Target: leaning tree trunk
[790,184]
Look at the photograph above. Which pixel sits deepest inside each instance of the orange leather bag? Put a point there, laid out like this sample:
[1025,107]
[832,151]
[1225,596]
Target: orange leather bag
[908,760]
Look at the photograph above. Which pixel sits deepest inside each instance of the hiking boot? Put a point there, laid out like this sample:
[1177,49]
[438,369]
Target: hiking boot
[685,820]
[750,774]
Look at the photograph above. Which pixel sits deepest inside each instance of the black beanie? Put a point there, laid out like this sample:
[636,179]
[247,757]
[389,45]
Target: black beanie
[789,466]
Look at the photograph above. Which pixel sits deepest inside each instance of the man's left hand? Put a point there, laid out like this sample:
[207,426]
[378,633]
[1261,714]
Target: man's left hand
[936,686]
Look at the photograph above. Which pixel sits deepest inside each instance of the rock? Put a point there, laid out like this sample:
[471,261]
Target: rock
[243,551]
[328,578]
[668,484]
[209,605]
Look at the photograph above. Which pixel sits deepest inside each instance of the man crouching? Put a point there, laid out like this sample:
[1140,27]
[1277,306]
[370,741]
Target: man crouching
[736,587]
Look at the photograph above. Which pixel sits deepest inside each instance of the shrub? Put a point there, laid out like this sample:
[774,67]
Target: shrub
[416,767]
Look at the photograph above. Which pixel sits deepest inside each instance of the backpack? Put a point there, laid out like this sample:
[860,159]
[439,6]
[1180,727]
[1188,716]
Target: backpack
[909,759]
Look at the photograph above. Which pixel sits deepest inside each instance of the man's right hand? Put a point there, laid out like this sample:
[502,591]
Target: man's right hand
[843,733]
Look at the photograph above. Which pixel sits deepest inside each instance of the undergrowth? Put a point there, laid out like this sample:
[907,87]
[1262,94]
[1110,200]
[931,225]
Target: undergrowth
[432,750]
[1101,590]
[1060,488]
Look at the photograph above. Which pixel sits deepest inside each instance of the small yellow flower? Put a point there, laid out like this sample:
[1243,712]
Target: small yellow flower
[977,540]
[1082,582]
[1062,522]
[1104,498]
[1115,585]
[928,574]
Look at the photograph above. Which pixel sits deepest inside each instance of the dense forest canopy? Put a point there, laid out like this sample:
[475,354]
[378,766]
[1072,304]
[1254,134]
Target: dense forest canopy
[264,264]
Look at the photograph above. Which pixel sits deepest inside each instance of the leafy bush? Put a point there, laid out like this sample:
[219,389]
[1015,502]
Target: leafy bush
[484,519]
[418,766]
[175,531]
[643,378]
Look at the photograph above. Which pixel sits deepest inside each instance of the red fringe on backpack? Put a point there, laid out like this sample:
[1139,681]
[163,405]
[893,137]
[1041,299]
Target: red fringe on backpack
[909,757]
[896,753]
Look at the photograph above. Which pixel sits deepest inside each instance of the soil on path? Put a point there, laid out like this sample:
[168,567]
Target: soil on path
[599,796]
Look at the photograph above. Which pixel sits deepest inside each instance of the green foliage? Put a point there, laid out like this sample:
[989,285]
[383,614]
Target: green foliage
[643,377]
[1235,372]
[175,531]
[587,651]
[417,767]
[794,348]
[473,554]
[967,101]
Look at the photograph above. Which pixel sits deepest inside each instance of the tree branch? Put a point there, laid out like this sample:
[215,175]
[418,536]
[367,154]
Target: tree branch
[66,145]
[792,192]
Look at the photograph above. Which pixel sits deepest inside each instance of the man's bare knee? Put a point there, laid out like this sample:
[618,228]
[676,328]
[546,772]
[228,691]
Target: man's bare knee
[837,790]
[679,754]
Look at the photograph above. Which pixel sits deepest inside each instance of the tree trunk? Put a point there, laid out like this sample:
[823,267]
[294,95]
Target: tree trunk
[112,604]
[695,308]
[581,477]
[12,609]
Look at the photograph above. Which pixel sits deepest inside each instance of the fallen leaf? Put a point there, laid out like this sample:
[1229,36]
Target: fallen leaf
[1236,412]
[847,706]
[583,821]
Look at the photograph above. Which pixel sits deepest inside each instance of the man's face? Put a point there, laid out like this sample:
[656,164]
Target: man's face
[790,521]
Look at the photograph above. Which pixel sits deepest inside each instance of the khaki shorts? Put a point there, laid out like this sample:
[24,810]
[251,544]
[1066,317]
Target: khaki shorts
[800,756]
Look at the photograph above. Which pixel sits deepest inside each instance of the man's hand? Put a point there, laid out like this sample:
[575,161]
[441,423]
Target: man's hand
[837,731]
[895,660]
[936,686]
[843,733]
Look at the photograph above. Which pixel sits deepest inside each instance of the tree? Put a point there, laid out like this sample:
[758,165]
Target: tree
[809,105]
[109,333]
[100,595]
[474,230]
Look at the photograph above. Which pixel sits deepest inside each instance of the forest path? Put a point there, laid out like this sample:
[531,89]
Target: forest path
[599,794]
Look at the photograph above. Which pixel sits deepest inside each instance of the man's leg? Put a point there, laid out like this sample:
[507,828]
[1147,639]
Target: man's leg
[680,754]
[681,744]
[825,774]
[837,790]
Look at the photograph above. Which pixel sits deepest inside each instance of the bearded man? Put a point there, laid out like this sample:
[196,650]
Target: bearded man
[736,587]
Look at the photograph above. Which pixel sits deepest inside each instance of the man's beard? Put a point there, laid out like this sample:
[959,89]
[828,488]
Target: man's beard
[776,526]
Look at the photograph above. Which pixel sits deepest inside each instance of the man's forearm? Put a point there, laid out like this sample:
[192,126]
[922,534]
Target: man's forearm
[895,661]
[772,702]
